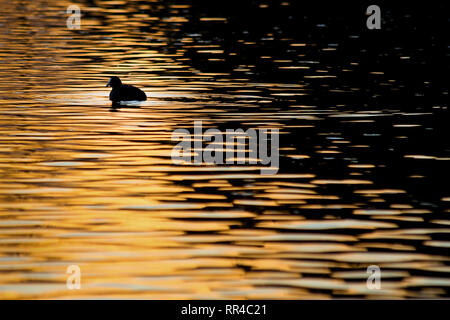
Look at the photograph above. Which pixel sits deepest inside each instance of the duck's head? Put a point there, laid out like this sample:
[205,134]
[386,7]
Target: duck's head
[114,82]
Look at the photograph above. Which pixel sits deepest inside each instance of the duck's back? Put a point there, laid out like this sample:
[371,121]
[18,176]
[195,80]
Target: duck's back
[127,92]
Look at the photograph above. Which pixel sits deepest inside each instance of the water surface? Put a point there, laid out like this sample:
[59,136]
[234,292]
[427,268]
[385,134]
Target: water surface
[364,154]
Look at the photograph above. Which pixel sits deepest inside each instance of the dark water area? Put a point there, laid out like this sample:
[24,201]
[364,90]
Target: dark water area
[364,150]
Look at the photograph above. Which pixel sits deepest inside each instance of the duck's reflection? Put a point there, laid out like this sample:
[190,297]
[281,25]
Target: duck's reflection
[116,106]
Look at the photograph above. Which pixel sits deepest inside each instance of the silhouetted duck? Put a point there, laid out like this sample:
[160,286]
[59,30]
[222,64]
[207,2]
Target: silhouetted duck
[124,92]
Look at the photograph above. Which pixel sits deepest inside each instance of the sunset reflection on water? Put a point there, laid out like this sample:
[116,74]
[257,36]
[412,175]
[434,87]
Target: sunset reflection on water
[82,183]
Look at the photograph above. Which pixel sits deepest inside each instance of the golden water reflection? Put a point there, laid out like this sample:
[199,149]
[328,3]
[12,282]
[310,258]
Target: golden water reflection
[84,184]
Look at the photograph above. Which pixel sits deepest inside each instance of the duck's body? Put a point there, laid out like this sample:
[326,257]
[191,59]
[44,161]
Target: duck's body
[124,92]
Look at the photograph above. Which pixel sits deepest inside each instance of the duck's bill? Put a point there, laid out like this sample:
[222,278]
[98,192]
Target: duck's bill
[108,84]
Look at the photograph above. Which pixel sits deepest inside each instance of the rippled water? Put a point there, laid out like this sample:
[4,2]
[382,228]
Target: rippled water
[364,154]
